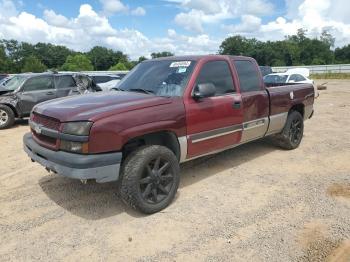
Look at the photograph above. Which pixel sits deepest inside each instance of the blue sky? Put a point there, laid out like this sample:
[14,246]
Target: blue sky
[159,14]
[180,26]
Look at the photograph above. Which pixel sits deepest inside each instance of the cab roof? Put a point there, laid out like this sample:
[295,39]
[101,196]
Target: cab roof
[198,57]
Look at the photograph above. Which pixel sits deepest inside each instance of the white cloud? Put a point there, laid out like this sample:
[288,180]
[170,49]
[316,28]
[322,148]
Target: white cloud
[138,11]
[7,8]
[55,19]
[90,28]
[113,6]
[208,7]
[315,16]
[187,45]
[197,13]
[257,7]
[191,21]
[248,26]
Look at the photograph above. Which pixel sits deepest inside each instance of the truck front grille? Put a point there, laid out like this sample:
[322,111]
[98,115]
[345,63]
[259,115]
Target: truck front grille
[48,122]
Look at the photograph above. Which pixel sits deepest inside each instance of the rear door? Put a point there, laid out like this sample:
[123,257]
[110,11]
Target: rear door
[213,123]
[35,90]
[255,99]
[64,84]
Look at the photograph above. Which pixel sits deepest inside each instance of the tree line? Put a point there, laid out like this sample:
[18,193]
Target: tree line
[294,50]
[17,57]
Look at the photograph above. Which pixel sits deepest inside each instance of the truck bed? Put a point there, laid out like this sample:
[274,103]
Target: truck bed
[285,96]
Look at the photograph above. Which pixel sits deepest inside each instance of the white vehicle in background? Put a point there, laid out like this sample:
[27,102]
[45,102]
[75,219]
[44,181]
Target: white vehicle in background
[295,75]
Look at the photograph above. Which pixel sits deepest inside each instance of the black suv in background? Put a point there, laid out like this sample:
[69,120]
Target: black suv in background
[24,91]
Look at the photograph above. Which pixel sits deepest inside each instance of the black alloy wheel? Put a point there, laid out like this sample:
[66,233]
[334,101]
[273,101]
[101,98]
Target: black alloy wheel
[149,178]
[157,180]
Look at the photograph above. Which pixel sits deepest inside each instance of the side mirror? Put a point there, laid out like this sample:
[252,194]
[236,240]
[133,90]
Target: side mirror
[204,90]
[291,81]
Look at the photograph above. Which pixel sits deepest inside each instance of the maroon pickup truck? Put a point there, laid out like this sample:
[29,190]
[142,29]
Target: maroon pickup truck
[164,112]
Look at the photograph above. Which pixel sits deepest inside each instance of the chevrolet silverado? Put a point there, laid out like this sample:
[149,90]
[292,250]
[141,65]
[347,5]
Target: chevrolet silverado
[164,112]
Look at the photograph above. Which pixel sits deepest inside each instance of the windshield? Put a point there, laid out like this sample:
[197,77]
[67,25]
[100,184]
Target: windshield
[159,77]
[271,79]
[15,82]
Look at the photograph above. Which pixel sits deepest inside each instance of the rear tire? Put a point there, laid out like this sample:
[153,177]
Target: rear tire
[150,178]
[292,133]
[7,117]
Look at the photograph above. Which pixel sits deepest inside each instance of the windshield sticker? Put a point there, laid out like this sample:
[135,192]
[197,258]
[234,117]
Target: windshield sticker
[181,70]
[180,64]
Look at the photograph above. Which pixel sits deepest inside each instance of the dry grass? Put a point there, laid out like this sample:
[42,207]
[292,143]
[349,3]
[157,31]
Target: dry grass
[331,76]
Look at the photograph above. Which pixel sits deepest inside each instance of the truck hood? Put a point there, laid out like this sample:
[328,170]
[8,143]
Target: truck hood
[97,105]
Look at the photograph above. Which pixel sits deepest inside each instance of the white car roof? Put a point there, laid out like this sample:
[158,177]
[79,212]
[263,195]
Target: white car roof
[288,73]
[301,71]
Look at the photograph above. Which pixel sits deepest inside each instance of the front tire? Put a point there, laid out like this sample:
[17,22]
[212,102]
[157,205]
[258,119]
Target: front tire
[150,178]
[7,117]
[292,133]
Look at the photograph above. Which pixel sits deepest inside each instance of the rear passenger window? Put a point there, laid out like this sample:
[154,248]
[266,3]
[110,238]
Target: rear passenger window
[65,82]
[218,73]
[38,83]
[248,76]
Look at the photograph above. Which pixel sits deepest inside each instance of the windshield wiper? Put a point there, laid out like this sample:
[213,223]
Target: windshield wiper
[150,92]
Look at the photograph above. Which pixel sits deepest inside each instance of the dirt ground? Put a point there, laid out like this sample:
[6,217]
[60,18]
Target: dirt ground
[252,203]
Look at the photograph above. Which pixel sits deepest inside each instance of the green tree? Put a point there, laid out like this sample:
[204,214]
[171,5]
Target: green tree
[141,59]
[161,54]
[53,56]
[342,54]
[327,38]
[102,58]
[33,64]
[119,67]
[3,60]
[77,62]
[239,45]
[14,53]
[297,49]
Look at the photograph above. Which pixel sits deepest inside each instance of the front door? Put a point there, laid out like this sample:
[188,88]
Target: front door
[214,123]
[34,91]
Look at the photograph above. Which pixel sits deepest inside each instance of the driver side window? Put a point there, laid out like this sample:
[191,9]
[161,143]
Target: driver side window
[38,83]
[219,74]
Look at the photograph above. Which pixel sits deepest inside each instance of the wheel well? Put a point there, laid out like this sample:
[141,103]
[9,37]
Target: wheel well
[299,108]
[12,108]
[165,138]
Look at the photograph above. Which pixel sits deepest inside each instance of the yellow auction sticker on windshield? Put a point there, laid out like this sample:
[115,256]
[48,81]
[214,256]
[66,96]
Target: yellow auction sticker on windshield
[180,64]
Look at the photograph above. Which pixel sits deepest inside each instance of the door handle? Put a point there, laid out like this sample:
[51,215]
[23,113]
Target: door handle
[50,93]
[236,105]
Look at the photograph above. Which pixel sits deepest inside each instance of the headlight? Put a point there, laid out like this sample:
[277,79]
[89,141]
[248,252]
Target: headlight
[77,128]
[75,147]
